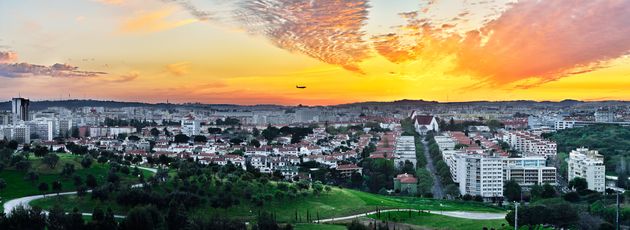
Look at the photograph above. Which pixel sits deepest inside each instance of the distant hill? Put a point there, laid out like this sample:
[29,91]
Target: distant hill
[71,104]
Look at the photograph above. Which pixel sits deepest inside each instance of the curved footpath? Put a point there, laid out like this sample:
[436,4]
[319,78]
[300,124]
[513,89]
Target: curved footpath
[458,214]
[24,201]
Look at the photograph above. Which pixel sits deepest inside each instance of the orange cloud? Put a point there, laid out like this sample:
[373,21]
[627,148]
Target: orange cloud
[531,43]
[178,69]
[548,40]
[328,30]
[144,22]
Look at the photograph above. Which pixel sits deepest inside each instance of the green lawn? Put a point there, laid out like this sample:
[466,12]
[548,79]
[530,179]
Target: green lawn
[319,227]
[84,204]
[18,187]
[339,202]
[436,221]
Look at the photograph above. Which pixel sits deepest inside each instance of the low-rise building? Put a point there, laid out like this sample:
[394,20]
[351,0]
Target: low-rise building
[406,183]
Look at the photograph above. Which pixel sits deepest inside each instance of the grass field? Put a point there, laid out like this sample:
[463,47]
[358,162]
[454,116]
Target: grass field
[18,187]
[338,202]
[341,202]
[435,221]
[319,227]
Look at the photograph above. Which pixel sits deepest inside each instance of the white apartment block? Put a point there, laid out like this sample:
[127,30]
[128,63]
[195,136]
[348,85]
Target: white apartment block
[588,164]
[529,171]
[530,144]
[445,142]
[405,150]
[19,132]
[480,175]
[190,126]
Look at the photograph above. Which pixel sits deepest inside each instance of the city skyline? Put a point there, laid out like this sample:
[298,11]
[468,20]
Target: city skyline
[257,52]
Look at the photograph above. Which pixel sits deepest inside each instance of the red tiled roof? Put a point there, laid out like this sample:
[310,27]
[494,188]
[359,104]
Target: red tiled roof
[424,119]
[407,178]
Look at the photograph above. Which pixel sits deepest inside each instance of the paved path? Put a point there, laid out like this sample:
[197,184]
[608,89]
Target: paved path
[438,189]
[458,214]
[24,201]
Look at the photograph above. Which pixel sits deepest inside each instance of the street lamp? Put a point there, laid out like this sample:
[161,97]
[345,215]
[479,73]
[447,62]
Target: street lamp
[515,215]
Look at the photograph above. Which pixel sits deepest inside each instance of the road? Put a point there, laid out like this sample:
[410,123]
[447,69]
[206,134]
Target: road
[458,214]
[24,201]
[438,189]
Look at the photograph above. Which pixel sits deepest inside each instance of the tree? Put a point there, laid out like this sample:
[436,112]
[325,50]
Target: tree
[43,187]
[51,160]
[536,191]
[31,176]
[214,130]
[452,190]
[90,181]
[68,170]
[143,218]
[200,139]
[56,187]
[3,184]
[23,165]
[579,184]
[255,143]
[176,216]
[56,219]
[270,133]
[133,138]
[155,132]
[86,162]
[548,191]
[181,138]
[318,187]
[40,151]
[622,179]
[512,190]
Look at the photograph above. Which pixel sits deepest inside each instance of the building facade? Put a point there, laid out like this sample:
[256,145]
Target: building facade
[588,164]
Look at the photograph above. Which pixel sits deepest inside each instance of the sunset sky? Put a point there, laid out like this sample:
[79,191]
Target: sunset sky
[257,51]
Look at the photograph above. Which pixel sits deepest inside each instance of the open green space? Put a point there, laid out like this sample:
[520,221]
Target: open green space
[319,227]
[436,221]
[17,186]
[337,202]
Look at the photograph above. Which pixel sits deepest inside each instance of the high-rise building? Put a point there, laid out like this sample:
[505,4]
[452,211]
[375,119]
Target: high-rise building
[588,164]
[19,108]
[480,175]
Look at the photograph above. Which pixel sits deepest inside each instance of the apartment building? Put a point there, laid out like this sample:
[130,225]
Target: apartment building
[530,144]
[405,150]
[480,175]
[588,164]
[190,126]
[529,171]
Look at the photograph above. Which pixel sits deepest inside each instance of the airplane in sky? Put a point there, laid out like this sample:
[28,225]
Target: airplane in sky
[300,87]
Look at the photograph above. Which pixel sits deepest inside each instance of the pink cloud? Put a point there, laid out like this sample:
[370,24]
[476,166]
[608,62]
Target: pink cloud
[8,56]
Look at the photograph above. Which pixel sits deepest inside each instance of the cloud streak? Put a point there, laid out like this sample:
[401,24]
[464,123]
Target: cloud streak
[178,69]
[152,21]
[328,30]
[11,69]
[192,9]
